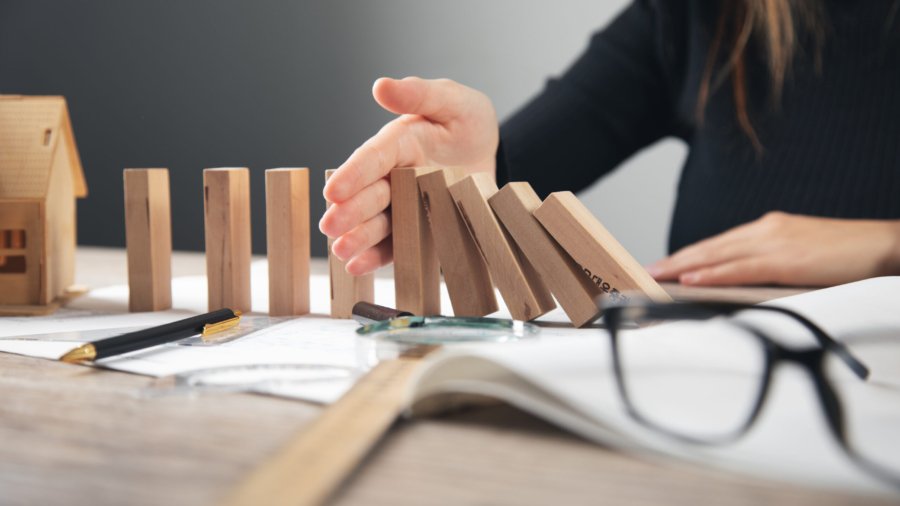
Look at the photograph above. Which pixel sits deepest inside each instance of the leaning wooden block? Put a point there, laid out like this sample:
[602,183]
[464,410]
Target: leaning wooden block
[287,240]
[588,242]
[465,271]
[520,285]
[514,204]
[226,207]
[148,237]
[417,274]
[346,289]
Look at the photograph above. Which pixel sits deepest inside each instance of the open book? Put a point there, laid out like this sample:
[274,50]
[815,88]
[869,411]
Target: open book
[569,381]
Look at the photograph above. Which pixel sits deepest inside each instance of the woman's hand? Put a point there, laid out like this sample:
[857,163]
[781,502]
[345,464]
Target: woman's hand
[442,123]
[785,249]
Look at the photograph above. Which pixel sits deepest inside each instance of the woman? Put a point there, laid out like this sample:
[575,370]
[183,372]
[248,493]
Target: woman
[791,110]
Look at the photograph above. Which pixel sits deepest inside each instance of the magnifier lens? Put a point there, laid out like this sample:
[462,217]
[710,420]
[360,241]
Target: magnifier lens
[445,330]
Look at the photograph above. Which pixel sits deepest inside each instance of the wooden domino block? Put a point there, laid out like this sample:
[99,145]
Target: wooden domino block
[226,210]
[417,274]
[148,237]
[346,290]
[588,242]
[521,287]
[514,204]
[465,271]
[287,240]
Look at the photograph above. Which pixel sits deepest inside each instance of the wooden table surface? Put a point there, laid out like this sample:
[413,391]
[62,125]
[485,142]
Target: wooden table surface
[73,435]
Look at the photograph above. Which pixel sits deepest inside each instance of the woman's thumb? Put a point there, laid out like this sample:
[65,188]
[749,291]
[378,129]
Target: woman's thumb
[437,99]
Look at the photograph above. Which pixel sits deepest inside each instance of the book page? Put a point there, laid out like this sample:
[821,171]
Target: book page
[569,381]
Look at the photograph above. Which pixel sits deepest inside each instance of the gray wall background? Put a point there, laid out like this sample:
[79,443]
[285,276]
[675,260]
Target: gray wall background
[267,83]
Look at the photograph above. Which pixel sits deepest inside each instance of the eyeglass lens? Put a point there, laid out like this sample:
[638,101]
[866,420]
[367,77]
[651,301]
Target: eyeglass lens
[699,380]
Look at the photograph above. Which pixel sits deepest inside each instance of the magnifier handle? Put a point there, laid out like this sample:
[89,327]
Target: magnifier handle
[367,313]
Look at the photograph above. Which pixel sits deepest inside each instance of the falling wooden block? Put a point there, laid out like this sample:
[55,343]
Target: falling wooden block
[346,289]
[417,274]
[226,207]
[287,240]
[148,237]
[514,204]
[588,242]
[465,271]
[521,287]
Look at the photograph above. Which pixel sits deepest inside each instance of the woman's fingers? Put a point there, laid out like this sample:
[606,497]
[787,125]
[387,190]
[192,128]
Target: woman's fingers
[721,248]
[344,217]
[363,237]
[372,258]
[781,248]
[741,241]
[744,271]
[420,102]
[393,146]
[441,123]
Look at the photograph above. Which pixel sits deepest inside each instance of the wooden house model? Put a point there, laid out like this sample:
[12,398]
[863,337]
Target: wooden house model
[40,178]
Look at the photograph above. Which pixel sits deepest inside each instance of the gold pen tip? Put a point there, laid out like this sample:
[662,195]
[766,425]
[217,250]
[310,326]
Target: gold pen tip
[80,354]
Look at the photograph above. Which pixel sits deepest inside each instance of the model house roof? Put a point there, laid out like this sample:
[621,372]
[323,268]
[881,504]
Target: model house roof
[33,131]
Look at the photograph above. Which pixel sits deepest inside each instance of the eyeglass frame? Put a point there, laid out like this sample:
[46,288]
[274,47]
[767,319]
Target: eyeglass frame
[811,359]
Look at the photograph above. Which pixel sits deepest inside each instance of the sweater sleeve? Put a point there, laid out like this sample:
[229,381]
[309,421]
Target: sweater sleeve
[613,101]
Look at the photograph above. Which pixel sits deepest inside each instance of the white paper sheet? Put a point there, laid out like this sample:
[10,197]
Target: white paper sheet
[312,339]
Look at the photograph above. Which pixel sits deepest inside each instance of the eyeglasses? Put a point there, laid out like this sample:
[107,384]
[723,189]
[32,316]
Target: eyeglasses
[706,384]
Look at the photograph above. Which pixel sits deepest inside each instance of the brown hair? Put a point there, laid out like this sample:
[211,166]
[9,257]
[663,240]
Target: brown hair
[773,24]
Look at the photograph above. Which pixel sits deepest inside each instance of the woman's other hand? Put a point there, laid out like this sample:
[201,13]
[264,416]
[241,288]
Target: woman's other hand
[786,249]
[441,123]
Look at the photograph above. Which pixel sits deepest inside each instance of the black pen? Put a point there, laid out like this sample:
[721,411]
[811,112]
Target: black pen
[204,324]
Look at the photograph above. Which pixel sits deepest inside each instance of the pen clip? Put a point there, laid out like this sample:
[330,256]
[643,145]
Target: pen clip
[212,328]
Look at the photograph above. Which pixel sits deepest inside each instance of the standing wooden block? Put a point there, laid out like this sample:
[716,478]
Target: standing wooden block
[148,236]
[588,242]
[226,206]
[526,295]
[287,240]
[417,274]
[465,271]
[514,204]
[346,290]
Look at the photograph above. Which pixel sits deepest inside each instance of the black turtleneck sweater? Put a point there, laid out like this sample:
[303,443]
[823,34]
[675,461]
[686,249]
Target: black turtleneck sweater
[830,148]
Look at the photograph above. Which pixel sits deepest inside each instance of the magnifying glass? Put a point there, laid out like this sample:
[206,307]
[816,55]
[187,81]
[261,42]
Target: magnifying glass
[380,322]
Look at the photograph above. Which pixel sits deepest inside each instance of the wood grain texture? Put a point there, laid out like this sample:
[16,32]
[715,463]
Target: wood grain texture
[514,204]
[465,270]
[287,240]
[34,132]
[39,162]
[65,439]
[226,206]
[148,235]
[586,240]
[61,224]
[24,292]
[331,447]
[346,289]
[520,285]
[417,273]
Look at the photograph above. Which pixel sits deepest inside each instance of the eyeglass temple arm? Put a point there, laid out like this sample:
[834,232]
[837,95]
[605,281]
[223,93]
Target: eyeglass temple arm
[707,310]
[826,341]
